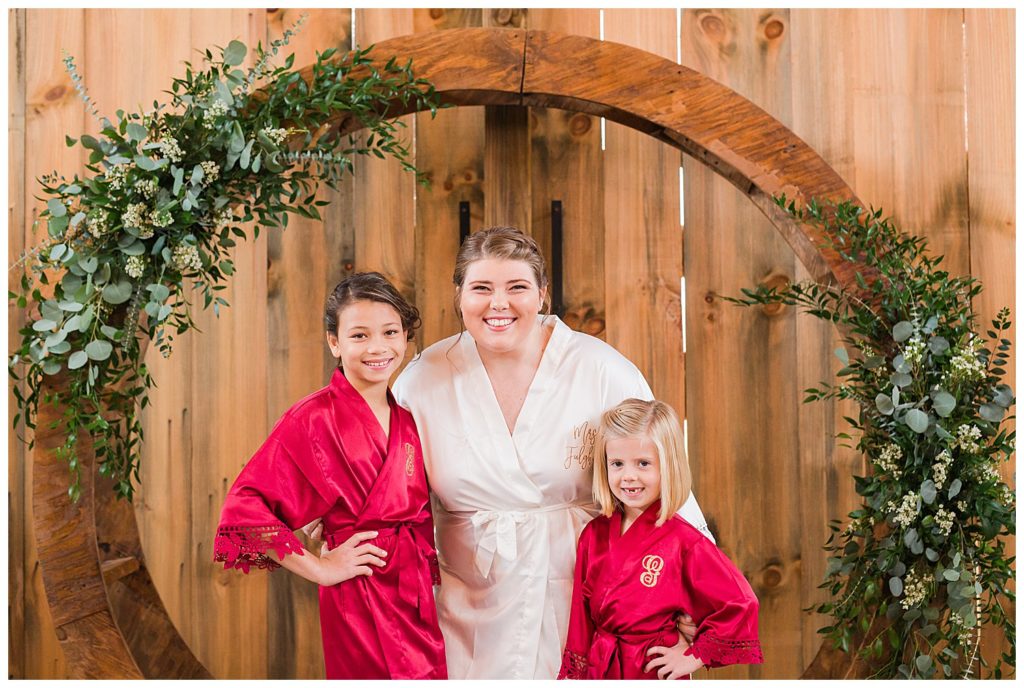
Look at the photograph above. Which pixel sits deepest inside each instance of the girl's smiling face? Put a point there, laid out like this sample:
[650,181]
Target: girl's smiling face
[369,342]
[499,301]
[634,474]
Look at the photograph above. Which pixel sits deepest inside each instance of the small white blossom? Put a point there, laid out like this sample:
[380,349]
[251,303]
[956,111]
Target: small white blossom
[222,218]
[915,589]
[278,136]
[162,218]
[944,521]
[211,171]
[97,224]
[135,215]
[170,149]
[961,505]
[147,187]
[913,351]
[907,510]
[186,257]
[967,437]
[135,266]
[941,467]
[964,366]
[217,108]
[889,459]
[115,175]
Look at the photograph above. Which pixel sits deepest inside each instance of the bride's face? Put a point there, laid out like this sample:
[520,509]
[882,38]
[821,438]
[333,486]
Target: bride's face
[500,300]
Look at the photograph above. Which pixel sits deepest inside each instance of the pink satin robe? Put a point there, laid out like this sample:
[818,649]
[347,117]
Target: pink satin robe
[629,588]
[328,457]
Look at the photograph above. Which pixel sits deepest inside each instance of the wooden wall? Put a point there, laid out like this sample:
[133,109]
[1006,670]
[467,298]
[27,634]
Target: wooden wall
[882,95]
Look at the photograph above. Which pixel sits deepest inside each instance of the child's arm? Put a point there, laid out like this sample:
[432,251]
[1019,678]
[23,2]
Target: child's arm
[350,559]
[723,606]
[581,626]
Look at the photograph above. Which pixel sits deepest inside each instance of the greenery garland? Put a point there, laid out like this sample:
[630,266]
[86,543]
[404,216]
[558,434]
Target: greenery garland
[168,193]
[923,550]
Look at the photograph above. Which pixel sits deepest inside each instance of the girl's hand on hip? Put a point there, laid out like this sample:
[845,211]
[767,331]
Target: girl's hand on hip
[672,662]
[350,559]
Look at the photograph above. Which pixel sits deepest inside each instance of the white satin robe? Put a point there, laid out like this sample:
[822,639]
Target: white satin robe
[508,509]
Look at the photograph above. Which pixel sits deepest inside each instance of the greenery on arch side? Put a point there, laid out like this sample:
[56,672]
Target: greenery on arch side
[167,194]
[923,549]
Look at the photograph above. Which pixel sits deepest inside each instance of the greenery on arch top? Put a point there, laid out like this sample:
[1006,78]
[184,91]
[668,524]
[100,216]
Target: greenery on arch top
[920,566]
[167,194]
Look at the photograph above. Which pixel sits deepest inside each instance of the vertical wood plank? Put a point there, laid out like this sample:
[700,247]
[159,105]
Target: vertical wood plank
[449,150]
[643,238]
[990,137]
[821,118]
[16,450]
[51,107]
[906,94]
[566,164]
[164,473]
[229,404]
[743,403]
[384,194]
[507,149]
[304,261]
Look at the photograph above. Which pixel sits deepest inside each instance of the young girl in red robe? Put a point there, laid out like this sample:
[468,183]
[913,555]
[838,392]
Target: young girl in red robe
[639,565]
[349,455]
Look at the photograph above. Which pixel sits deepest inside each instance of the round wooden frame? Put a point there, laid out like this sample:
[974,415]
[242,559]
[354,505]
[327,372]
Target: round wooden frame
[108,615]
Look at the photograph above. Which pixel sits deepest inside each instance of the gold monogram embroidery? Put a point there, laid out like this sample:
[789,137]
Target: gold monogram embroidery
[410,456]
[652,564]
[582,450]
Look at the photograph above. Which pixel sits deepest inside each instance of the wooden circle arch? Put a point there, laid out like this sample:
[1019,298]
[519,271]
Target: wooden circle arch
[109,618]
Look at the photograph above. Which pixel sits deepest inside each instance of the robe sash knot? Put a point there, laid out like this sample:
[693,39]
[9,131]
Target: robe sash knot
[498,532]
[606,650]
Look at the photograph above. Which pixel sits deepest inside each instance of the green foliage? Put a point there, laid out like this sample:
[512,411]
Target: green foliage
[923,548]
[167,194]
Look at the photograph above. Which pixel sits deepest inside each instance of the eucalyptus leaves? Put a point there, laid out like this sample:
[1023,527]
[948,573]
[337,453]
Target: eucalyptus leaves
[166,195]
[923,549]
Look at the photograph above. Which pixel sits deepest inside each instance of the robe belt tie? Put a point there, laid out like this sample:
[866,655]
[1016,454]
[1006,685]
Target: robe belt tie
[499,533]
[605,650]
[413,553]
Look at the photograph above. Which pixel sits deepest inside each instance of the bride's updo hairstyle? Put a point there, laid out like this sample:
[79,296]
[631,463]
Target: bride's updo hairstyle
[503,243]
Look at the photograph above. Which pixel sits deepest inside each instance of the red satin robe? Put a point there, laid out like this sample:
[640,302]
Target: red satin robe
[328,457]
[629,587]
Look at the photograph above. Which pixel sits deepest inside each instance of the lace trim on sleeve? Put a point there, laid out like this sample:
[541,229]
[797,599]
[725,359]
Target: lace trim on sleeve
[244,547]
[574,666]
[716,652]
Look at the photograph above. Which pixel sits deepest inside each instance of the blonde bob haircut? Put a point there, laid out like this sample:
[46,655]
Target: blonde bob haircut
[656,421]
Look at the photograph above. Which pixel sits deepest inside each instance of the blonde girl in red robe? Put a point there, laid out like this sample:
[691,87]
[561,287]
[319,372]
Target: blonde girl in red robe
[350,456]
[639,565]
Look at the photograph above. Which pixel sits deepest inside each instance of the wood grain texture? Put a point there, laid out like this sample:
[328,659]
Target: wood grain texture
[991,135]
[449,151]
[566,164]
[385,209]
[820,117]
[846,102]
[50,106]
[229,411]
[166,459]
[16,448]
[643,237]
[303,264]
[742,362]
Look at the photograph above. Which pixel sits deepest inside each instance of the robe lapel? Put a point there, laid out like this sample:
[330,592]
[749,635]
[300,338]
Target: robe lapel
[625,550]
[401,481]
